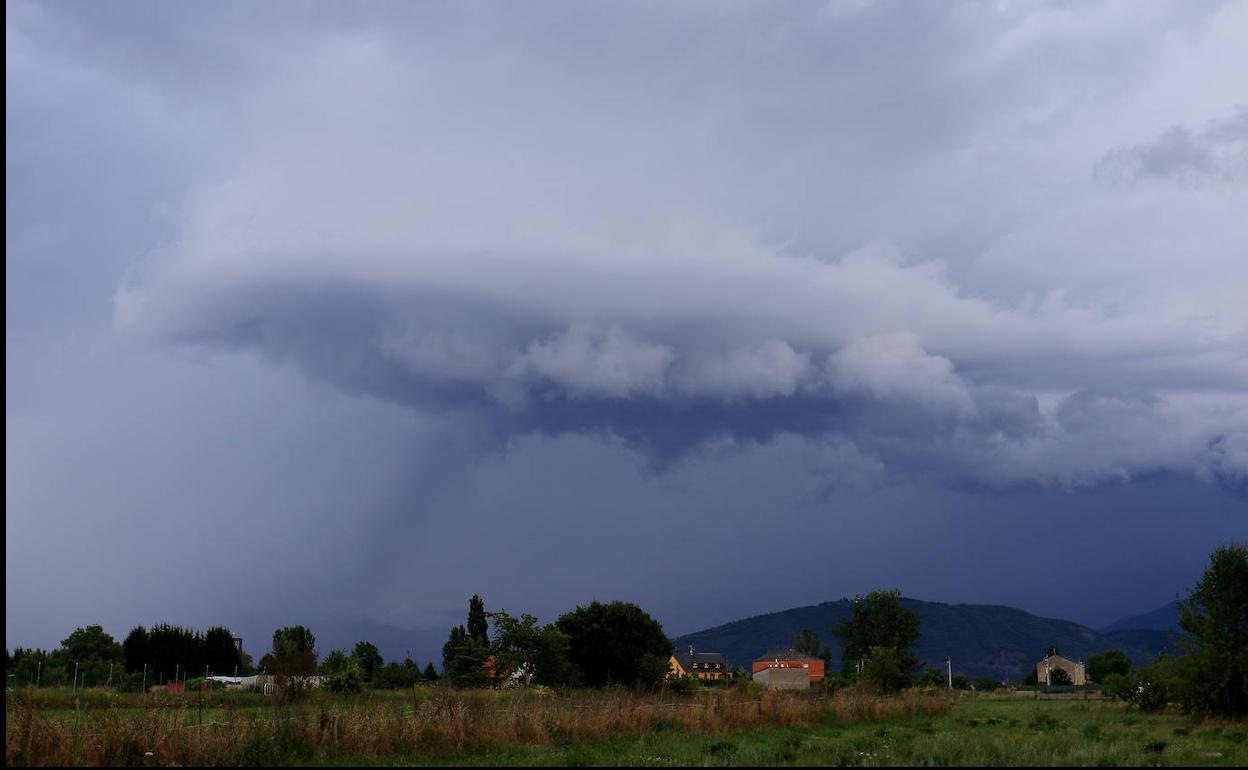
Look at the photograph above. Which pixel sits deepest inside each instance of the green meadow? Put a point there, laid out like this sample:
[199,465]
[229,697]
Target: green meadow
[735,727]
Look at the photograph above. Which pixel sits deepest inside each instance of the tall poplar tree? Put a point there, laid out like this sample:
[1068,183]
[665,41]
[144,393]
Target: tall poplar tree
[478,628]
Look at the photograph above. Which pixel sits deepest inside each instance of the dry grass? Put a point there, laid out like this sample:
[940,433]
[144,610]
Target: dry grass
[436,720]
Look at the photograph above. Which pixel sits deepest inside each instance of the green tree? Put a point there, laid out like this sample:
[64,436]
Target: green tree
[97,654]
[346,677]
[1052,650]
[934,677]
[369,658]
[411,669]
[878,641]
[1118,686]
[807,642]
[30,667]
[135,649]
[458,638]
[1158,684]
[1059,677]
[469,667]
[986,683]
[616,643]
[220,654]
[478,628]
[334,662]
[826,655]
[296,638]
[293,659]
[1105,664]
[537,654]
[174,649]
[396,676]
[960,682]
[431,673]
[1214,617]
[91,643]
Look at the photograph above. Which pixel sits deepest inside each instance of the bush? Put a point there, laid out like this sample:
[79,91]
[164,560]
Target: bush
[199,682]
[986,684]
[1119,686]
[1157,685]
[934,677]
[686,683]
[750,689]
[348,678]
[830,683]
[129,683]
[1105,664]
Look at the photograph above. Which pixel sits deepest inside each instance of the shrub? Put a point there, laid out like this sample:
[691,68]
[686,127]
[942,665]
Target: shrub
[1105,664]
[1157,685]
[986,683]
[686,683]
[347,678]
[129,683]
[1119,686]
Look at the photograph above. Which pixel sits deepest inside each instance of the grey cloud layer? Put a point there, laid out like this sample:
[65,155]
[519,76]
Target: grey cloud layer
[574,229]
[1219,153]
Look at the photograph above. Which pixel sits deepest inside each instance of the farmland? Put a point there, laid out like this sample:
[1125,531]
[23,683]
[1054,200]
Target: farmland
[735,727]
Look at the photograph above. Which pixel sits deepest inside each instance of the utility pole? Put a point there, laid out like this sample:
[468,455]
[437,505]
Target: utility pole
[176,666]
[75,689]
[949,666]
[38,673]
[144,678]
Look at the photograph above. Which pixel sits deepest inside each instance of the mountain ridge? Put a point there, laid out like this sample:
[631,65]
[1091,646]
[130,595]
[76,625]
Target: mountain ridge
[982,639]
[1164,618]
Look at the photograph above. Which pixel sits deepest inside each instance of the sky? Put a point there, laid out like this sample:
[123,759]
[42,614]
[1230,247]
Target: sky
[339,313]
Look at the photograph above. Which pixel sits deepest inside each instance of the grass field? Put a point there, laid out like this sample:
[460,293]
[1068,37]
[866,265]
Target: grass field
[973,733]
[433,726]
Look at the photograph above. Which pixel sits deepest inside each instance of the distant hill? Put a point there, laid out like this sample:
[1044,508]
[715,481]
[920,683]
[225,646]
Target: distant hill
[1161,619]
[982,640]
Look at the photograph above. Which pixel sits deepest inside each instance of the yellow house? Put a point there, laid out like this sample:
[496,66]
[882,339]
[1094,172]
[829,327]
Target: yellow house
[703,665]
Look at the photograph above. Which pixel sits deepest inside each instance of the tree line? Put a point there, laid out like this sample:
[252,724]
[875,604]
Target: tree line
[594,645]
[618,643]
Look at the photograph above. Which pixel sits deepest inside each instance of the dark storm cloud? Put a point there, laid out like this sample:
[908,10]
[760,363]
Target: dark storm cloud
[446,230]
[561,275]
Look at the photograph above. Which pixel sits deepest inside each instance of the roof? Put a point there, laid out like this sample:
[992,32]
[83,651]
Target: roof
[687,659]
[1055,658]
[785,655]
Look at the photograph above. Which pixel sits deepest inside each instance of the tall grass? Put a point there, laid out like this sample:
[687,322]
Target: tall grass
[430,721]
